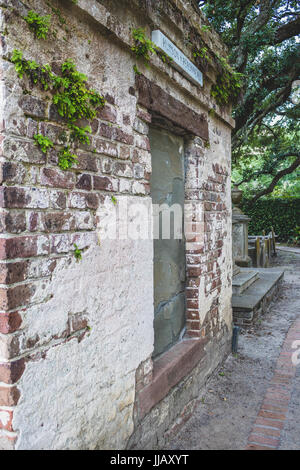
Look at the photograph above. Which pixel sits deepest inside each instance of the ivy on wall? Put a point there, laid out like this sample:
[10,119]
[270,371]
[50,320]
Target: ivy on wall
[228,83]
[69,93]
[38,24]
[143,48]
[71,97]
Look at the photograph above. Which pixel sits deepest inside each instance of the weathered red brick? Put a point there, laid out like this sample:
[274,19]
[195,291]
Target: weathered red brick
[198,250]
[106,165]
[57,221]
[23,247]
[15,297]
[80,200]
[52,131]
[10,372]
[144,115]
[123,169]
[95,125]
[107,113]
[193,259]
[61,243]
[192,293]
[272,415]
[109,98]
[142,142]
[58,200]
[123,137]
[102,183]
[87,162]
[193,325]
[32,128]
[269,422]
[57,179]
[21,150]
[13,222]
[192,314]
[32,106]
[9,396]
[12,173]
[10,322]
[11,273]
[273,408]
[126,119]
[33,221]
[14,197]
[168,371]
[106,131]
[106,148]
[78,322]
[84,182]
[277,395]
[269,441]
[194,271]
[266,431]
[192,304]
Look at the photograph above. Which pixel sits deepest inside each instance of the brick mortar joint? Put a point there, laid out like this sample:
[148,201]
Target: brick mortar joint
[27,355]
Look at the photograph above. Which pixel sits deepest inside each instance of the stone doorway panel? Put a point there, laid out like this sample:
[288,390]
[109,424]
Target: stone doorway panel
[167,187]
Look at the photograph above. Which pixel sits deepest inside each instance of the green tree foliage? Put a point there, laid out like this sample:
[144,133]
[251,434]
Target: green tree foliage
[264,45]
[270,162]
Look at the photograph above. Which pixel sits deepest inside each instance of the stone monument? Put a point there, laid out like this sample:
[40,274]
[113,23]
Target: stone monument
[242,278]
[240,223]
[252,289]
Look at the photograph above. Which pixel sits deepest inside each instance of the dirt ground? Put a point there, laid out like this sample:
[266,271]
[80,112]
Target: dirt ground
[232,397]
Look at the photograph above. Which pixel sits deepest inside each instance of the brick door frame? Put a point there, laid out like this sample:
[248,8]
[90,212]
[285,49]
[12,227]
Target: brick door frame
[161,110]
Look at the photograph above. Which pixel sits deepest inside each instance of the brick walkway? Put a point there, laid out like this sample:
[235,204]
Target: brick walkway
[252,401]
[267,429]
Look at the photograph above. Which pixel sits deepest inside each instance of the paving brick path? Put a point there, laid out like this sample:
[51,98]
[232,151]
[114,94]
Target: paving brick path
[252,401]
[273,413]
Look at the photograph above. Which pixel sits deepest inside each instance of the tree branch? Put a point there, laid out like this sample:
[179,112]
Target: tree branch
[276,178]
[265,13]
[245,127]
[287,31]
[255,174]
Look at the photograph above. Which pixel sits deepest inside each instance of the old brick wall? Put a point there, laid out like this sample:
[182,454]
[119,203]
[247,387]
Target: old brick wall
[73,334]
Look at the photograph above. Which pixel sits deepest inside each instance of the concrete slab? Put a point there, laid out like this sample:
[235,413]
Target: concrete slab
[243,280]
[253,296]
[254,301]
[289,249]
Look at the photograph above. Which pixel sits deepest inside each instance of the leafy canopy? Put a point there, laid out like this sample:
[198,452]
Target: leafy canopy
[264,45]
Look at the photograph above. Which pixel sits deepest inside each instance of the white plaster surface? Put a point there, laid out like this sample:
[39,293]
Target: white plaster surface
[81,395]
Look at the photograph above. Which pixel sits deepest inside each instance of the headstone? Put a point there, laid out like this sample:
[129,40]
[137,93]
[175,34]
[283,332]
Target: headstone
[240,223]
